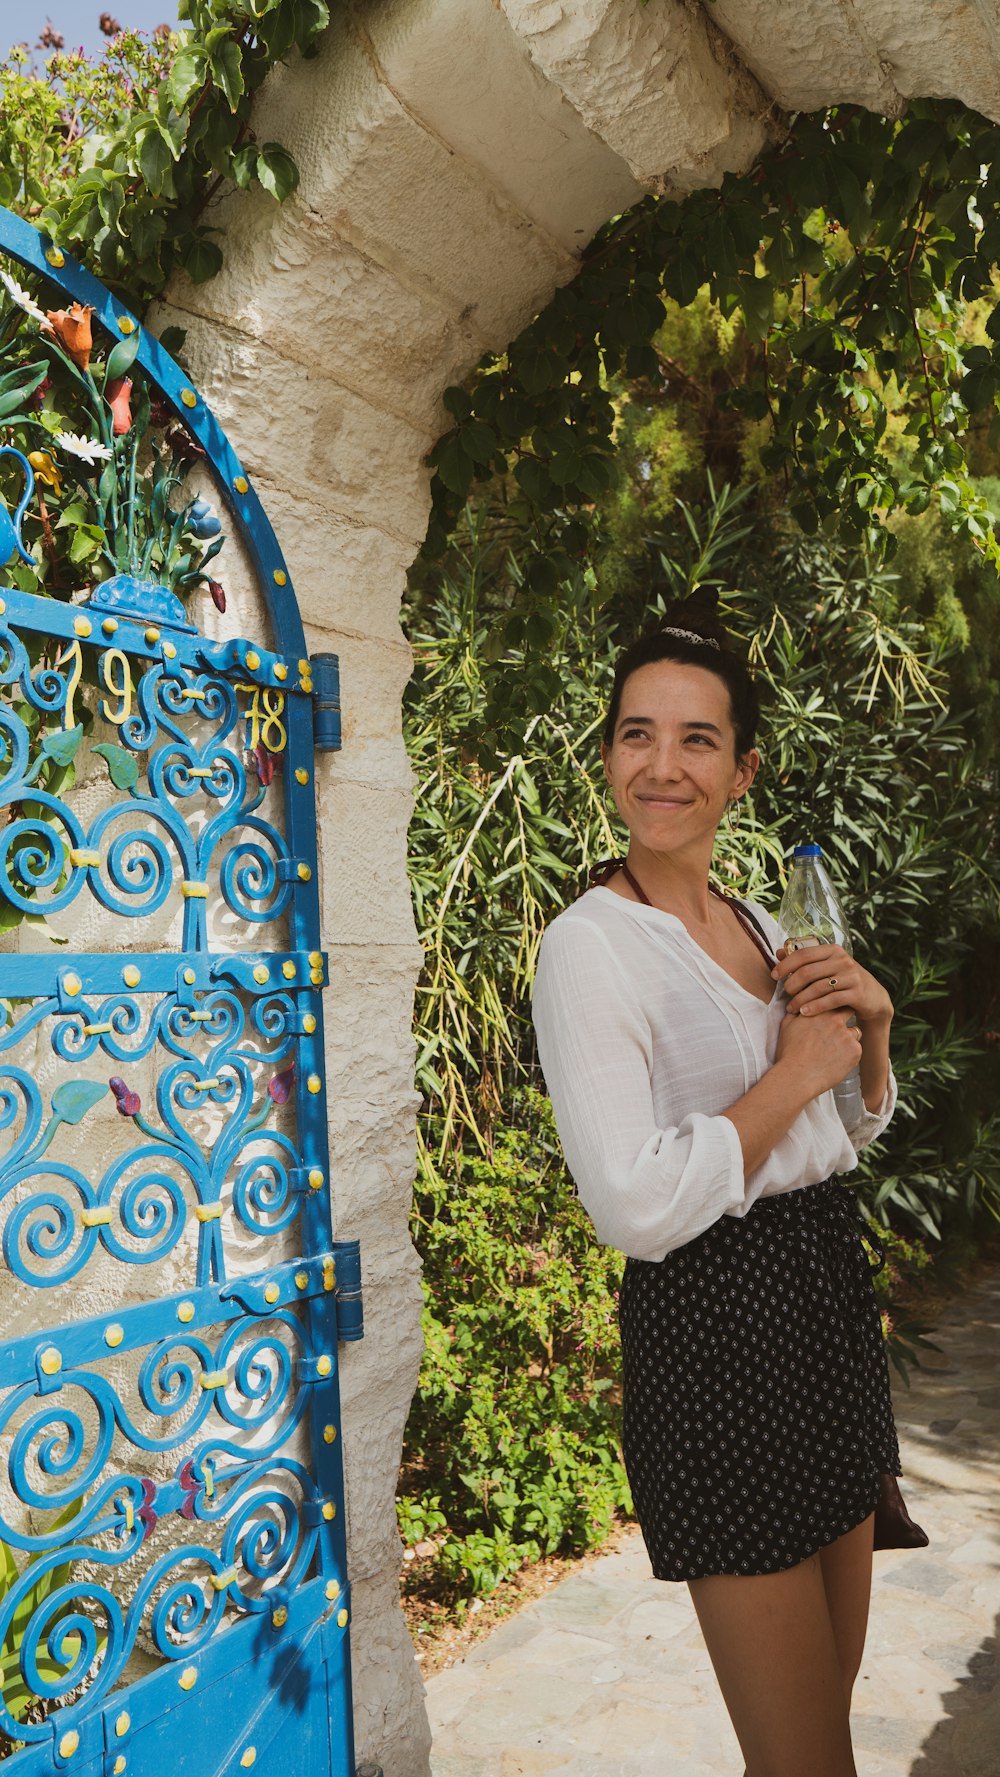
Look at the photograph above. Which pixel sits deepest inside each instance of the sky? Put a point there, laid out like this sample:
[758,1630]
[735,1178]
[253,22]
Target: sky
[77,19]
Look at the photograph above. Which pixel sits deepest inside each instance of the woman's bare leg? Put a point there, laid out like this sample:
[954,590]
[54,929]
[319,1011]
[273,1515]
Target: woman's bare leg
[772,1644]
[847,1580]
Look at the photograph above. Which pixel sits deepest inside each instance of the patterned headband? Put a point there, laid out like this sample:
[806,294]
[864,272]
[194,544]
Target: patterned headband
[688,635]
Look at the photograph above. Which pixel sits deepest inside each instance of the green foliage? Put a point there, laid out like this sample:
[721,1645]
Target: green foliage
[515,1419]
[850,255]
[18,1697]
[154,132]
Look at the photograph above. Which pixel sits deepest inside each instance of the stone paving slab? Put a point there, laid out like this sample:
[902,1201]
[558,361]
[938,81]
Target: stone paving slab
[607,1674]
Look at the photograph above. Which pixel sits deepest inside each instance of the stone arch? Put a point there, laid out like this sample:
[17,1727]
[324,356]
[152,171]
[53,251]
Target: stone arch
[456,158]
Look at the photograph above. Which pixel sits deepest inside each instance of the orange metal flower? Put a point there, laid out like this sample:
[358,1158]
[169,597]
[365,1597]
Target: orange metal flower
[118,395]
[72,329]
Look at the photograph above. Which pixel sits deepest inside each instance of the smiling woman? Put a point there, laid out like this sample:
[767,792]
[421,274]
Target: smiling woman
[696,1111]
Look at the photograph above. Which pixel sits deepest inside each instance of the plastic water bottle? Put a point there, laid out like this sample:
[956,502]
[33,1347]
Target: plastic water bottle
[811,914]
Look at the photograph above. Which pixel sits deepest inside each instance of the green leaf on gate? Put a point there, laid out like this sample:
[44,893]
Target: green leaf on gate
[123,767]
[122,356]
[62,746]
[74,1098]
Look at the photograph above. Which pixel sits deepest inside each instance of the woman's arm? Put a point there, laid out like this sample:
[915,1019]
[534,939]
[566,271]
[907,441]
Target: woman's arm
[649,1189]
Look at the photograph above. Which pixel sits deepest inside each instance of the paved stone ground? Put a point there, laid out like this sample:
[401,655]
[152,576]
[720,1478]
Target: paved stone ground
[607,1675]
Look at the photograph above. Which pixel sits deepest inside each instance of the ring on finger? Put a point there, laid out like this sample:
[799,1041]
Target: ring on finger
[833,980]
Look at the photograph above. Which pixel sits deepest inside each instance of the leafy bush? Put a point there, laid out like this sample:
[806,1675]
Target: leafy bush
[516,1418]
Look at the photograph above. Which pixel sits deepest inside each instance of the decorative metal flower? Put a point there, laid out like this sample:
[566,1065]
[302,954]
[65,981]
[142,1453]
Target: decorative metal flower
[44,465]
[90,450]
[72,329]
[201,520]
[23,299]
[280,1085]
[127,1102]
[218,592]
[118,395]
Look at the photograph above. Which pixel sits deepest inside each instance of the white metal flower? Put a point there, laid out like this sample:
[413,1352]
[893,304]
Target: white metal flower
[76,445]
[19,294]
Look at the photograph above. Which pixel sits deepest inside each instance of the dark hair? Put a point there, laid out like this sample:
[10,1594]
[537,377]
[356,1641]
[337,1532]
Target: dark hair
[699,616]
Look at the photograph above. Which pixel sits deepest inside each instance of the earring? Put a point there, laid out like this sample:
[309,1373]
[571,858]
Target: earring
[733,813]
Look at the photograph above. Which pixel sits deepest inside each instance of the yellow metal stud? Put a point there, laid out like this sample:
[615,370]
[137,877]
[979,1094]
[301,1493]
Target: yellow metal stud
[185,1311]
[329,1511]
[82,626]
[329,1433]
[131,976]
[109,625]
[50,1362]
[169,651]
[114,1335]
[301,1280]
[253,661]
[316,977]
[123,1723]
[271,1292]
[119,1765]
[152,634]
[301,777]
[304,873]
[55,257]
[190,977]
[189,398]
[241,484]
[249,1756]
[332,1590]
[315,959]
[324,1365]
[314,1083]
[280,577]
[72,984]
[126,324]
[288,970]
[342,1619]
[261,974]
[188,1678]
[280,670]
[309,1024]
[279,1617]
[69,1743]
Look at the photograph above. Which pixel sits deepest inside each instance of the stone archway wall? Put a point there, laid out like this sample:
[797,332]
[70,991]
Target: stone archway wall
[456,157]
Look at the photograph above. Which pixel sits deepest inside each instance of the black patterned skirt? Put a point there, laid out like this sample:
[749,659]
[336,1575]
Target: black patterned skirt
[757,1413]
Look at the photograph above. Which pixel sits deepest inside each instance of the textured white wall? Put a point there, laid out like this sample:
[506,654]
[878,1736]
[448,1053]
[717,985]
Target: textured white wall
[456,156]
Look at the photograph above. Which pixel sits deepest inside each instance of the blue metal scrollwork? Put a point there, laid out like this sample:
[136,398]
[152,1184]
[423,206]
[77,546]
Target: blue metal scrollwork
[171,1461]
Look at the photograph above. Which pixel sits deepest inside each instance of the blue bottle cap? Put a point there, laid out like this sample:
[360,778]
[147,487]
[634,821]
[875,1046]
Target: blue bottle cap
[808,851]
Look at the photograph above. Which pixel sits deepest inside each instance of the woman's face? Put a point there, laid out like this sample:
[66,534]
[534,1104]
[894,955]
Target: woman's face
[672,765]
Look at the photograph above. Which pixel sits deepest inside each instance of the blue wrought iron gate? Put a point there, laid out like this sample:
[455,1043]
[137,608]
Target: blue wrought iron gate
[171,1493]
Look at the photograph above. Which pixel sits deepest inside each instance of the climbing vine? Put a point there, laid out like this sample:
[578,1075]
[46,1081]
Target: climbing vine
[860,253]
[120,162]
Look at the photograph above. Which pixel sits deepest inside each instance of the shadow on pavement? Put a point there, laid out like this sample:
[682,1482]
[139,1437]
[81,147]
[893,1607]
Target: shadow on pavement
[967,1742]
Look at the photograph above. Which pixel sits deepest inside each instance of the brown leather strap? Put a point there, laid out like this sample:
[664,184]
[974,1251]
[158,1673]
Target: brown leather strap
[751,926]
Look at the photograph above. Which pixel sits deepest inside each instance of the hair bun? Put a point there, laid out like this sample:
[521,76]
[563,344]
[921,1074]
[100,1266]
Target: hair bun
[699,615]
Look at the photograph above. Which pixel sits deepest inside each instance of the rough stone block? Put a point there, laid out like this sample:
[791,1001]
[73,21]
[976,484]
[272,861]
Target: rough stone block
[293,426]
[398,193]
[649,81]
[462,71]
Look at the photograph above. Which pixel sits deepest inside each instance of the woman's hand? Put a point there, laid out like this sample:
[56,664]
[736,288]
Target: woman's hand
[822,1049]
[823,978]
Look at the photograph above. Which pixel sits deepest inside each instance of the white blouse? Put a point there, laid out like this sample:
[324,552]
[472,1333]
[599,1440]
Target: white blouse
[644,1041]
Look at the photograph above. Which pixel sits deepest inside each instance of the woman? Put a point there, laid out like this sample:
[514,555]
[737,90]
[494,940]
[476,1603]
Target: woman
[691,1074]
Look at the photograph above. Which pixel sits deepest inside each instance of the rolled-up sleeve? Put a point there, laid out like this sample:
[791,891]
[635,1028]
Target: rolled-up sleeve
[874,1122]
[647,1189]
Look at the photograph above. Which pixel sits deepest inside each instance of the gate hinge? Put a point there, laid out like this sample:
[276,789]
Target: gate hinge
[326,703]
